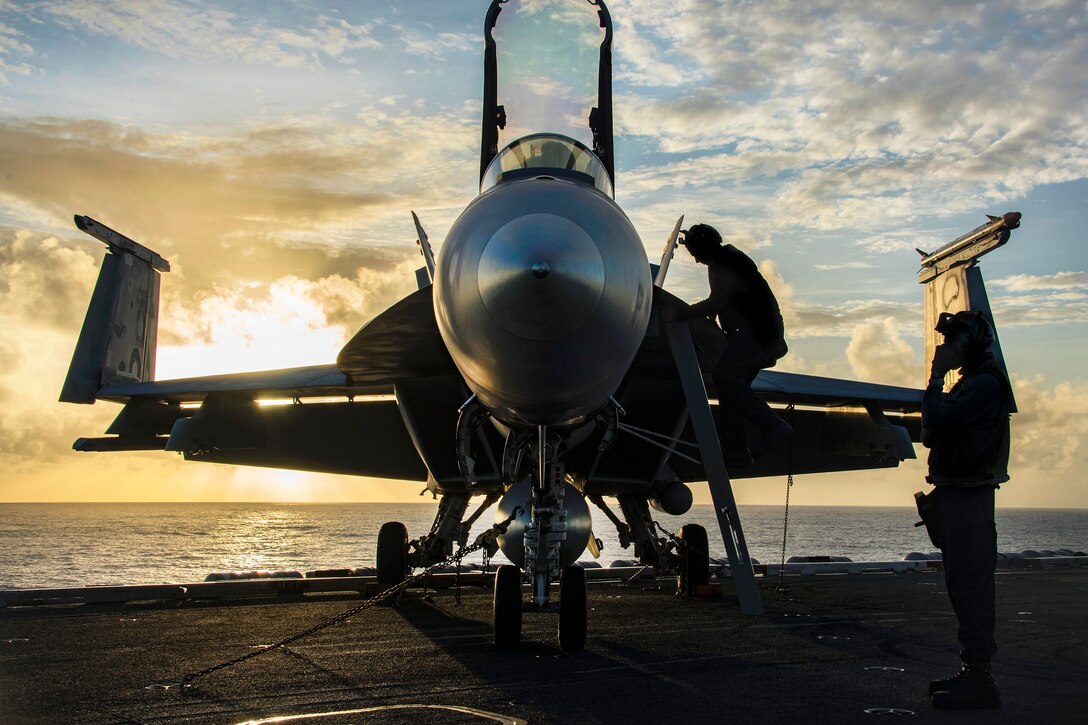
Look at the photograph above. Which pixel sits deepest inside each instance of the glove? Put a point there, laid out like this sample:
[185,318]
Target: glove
[945,358]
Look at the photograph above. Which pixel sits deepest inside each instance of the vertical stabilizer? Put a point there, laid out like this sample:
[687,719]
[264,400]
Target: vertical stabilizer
[953,282]
[118,340]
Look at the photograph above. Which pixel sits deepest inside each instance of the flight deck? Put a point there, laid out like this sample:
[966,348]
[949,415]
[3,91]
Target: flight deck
[829,648]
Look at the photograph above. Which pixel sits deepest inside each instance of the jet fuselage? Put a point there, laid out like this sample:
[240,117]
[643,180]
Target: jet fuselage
[542,295]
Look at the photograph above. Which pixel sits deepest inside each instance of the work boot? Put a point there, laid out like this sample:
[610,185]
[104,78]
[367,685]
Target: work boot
[975,689]
[771,436]
[948,683]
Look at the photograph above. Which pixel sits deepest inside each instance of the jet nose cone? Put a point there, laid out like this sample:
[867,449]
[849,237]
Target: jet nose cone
[541,276]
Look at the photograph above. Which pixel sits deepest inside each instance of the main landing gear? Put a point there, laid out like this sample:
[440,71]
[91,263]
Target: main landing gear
[397,556]
[392,553]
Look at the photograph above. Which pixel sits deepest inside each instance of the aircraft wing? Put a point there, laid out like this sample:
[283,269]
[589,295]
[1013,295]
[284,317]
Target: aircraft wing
[402,342]
[839,425]
[337,418]
[780,387]
[311,381]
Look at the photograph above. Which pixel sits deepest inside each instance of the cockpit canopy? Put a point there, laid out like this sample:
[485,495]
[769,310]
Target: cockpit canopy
[546,152]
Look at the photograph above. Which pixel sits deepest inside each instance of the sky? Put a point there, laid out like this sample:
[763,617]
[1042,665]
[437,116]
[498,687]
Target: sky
[273,151]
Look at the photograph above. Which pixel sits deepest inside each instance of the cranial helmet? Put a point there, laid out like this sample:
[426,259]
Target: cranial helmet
[702,238]
[977,332]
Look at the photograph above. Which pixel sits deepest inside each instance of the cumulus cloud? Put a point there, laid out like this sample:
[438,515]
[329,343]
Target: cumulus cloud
[877,352]
[1050,430]
[287,323]
[45,284]
[43,281]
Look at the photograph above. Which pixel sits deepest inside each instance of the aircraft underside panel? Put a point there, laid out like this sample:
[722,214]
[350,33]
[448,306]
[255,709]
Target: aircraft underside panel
[830,439]
[360,439]
[352,438]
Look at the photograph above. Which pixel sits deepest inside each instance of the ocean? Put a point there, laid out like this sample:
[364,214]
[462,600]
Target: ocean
[80,544]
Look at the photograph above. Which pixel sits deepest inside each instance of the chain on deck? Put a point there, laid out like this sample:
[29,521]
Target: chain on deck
[484,541]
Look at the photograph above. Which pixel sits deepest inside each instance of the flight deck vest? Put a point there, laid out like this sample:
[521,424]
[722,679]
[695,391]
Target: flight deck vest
[976,454]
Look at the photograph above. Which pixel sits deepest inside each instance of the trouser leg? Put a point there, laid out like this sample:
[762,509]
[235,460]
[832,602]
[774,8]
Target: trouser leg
[970,556]
[733,378]
[731,393]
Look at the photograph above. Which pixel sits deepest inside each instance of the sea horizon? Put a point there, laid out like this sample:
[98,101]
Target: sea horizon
[429,502]
[64,544]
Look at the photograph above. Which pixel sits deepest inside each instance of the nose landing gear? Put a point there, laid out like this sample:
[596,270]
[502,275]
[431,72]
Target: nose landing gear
[545,551]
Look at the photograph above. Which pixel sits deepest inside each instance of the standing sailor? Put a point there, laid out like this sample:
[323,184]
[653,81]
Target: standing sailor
[967,432]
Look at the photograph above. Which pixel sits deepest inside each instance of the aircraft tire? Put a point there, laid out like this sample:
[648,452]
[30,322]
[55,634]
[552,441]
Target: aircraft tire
[573,609]
[507,608]
[392,553]
[694,559]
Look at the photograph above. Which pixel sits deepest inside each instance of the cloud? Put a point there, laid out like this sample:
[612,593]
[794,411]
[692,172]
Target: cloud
[315,195]
[43,281]
[875,112]
[434,46]
[878,353]
[1042,308]
[845,265]
[1034,283]
[640,61]
[289,322]
[12,47]
[198,33]
[45,286]
[842,319]
[1050,431]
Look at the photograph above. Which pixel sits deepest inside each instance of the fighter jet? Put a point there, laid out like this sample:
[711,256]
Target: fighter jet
[532,368]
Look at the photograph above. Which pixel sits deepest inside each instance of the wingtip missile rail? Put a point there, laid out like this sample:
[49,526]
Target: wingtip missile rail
[118,242]
[967,248]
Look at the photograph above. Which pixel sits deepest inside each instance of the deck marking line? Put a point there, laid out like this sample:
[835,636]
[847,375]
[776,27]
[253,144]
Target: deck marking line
[495,717]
